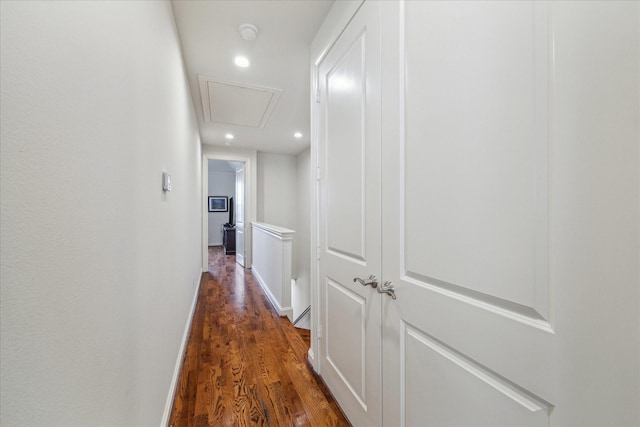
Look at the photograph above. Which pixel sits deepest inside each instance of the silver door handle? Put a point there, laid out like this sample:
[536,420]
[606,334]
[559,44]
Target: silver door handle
[371,281]
[387,288]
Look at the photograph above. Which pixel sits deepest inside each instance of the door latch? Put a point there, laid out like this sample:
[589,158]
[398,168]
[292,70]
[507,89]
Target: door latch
[371,281]
[387,288]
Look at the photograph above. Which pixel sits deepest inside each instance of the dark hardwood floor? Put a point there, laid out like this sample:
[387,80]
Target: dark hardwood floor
[245,365]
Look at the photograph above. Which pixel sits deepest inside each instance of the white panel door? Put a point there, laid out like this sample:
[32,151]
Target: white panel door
[349,159]
[510,214]
[239,213]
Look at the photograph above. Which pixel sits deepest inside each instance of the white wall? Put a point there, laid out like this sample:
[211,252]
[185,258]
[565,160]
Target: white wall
[277,194]
[221,183]
[277,189]
[284,200]
[98,266]
[301,293]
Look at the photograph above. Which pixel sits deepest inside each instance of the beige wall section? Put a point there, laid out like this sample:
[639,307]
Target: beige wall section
[278,204]
[277,189]
[98,265]
[283,199]
[301,293]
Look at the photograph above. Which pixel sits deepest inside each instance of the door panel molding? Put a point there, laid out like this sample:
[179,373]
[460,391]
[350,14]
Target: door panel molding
[490,281]
[514,311]
[346,353]
[345,130]
[460,374]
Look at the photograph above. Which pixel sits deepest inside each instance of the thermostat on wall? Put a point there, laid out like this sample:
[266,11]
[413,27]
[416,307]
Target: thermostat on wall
[166,181]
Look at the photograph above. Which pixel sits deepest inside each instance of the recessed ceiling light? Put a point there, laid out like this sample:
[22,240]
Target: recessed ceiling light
[297,135]
[229,136]
[248,31]
[241,61]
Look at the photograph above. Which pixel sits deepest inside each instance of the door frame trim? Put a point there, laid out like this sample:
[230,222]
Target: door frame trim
[249,158]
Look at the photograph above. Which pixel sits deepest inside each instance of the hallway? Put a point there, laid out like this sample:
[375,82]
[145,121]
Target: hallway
[244,365]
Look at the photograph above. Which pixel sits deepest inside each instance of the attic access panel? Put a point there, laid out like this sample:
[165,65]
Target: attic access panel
[237,103]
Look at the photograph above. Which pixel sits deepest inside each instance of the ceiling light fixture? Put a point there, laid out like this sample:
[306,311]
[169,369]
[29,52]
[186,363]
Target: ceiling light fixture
[297,135]
[241,61]
[229,136]
[248,31]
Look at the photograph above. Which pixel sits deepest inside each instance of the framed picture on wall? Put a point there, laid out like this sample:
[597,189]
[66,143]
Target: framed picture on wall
[218,204]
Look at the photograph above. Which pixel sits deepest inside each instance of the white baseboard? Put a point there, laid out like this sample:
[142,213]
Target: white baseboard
[282,311]
[181,353]
[287,312]
[312,360]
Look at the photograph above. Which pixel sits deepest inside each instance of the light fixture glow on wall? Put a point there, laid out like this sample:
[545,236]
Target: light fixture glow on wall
[341,83]
[229,136]
[241,61]
[297,135]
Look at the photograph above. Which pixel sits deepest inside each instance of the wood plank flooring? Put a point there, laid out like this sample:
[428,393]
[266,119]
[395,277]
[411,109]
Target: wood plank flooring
[245,365]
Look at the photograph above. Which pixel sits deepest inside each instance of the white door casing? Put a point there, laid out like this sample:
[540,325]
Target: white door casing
[349,158]
[239,213]
[249,160]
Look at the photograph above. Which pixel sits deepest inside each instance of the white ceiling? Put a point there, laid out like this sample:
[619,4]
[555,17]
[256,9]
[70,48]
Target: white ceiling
[279,57]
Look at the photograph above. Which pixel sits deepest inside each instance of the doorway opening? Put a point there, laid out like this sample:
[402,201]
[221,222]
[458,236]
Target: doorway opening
[228,179]
[225,206]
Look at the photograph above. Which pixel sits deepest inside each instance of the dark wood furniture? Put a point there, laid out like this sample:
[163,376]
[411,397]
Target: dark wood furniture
[229,239]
